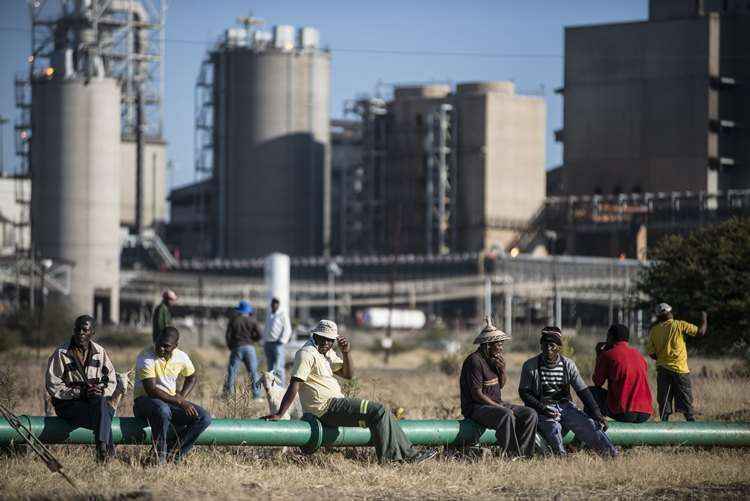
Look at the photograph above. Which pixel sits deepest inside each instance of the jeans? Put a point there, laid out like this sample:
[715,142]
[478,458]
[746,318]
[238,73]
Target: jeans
[245,354]
[94,414]
[584,428]
[391,443]
[275,358]
[161,415]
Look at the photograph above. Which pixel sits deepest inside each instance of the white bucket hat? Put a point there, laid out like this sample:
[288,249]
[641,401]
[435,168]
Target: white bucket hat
[663,308]
[327,329]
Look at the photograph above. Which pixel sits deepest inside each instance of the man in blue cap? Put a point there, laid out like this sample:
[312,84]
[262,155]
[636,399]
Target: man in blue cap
[242,332]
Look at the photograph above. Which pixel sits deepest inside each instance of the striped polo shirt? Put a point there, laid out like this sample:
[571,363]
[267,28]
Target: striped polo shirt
[554,382]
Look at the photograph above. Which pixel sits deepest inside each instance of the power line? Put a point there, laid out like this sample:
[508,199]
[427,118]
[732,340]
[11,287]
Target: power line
[496,55]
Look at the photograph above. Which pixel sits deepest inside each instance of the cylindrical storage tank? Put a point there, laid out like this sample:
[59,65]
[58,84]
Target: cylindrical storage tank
[272,151]
[75,159]
[276,273]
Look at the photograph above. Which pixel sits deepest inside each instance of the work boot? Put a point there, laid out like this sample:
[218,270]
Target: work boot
[103,453]
[424,455]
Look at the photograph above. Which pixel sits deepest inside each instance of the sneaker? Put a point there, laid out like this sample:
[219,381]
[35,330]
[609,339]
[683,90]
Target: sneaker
[424,455]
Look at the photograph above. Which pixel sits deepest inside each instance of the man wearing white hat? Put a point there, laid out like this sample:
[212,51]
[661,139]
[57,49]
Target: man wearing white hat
[482,378]
[666,345]
[320,394]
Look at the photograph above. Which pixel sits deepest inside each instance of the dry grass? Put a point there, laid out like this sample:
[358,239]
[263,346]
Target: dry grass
[413,381]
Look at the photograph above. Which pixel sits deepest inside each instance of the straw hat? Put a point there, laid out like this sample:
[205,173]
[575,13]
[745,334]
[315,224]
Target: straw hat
[491,334]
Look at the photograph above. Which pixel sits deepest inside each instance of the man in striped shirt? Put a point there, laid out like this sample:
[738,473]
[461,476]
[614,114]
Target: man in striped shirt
[545,387]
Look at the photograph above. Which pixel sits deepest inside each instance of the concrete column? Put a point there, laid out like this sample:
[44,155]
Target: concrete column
[509,313]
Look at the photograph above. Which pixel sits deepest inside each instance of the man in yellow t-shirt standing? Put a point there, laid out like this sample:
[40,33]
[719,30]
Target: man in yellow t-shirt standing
[666,345]
[320,394]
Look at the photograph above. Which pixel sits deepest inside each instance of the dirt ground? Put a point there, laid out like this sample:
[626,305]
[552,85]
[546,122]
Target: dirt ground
[422,380]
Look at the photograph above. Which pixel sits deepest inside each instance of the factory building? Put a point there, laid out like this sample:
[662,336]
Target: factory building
[271,143]
[90,143]
[465,167]
[153,182]
[660,105]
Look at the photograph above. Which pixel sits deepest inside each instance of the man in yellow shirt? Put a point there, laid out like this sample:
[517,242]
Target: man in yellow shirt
[158,401]
[320,394]
[666,345]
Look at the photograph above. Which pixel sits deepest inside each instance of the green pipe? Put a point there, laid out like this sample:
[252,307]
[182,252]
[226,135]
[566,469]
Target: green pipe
[311,435]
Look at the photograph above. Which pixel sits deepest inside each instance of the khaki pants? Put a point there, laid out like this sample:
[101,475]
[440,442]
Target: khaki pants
[391,444]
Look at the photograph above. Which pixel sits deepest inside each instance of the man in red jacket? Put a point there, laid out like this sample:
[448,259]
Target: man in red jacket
[628,397]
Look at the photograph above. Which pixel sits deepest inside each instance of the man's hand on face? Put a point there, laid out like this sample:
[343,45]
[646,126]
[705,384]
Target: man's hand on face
[344,344]
[272,417]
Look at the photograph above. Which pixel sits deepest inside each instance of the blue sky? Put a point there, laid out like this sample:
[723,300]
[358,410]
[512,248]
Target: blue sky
[529,35]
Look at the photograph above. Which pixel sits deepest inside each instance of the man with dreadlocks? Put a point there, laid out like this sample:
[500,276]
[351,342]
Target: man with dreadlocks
[482,379]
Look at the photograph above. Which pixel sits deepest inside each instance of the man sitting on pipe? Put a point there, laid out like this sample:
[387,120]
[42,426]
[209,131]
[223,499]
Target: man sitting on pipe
[482,378]
[313,379]
[79,378]
[628,397]
[545,386]
[158,401]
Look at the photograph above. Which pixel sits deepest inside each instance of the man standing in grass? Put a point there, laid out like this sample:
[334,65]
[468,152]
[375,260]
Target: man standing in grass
[242,332]
[320,394]
[666,345]
[628,397]
[482,378]
[276,334]
[79,378]
[158,401]
[162,316]
[545,387]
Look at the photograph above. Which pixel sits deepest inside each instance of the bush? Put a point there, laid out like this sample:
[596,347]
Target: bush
[49,327]
[9,339]
[707,270]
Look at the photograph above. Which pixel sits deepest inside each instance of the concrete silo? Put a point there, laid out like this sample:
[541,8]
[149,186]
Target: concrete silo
[271,98]
[75,178]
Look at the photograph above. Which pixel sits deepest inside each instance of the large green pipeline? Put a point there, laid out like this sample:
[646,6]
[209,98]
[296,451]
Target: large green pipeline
[311,435]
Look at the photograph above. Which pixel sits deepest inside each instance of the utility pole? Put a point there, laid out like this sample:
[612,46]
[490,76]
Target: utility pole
[3,122]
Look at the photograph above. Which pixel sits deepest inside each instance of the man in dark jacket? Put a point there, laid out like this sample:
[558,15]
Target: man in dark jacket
[545,387]
[162,316]
[242,332]
[79,378]
[628,397]
[482,378]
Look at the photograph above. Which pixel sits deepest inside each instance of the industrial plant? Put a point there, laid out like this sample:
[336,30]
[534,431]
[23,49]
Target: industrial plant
[429,195]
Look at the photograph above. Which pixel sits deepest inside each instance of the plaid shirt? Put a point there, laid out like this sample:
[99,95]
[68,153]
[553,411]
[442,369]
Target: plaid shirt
[64,377]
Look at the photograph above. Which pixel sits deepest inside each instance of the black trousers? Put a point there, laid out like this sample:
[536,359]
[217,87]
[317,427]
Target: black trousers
[600,395]
[94,414]
[674,393]
[514,425]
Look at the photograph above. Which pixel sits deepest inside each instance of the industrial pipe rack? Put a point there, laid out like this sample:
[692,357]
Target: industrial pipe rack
[311,435]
